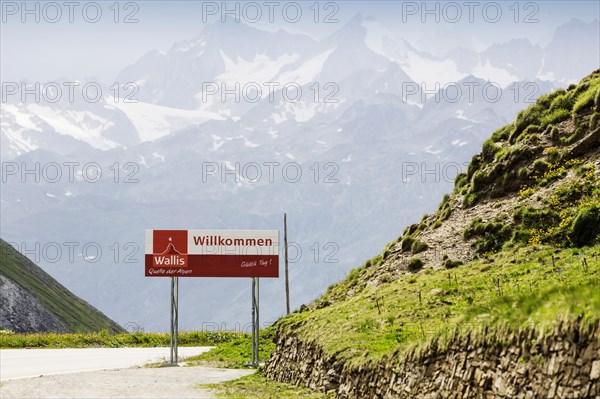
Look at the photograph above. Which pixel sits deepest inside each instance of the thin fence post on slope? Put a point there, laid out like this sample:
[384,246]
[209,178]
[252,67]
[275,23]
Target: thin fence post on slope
[287,278]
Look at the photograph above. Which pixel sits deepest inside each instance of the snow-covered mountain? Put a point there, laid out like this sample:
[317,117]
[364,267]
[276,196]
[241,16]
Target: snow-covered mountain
[368,109]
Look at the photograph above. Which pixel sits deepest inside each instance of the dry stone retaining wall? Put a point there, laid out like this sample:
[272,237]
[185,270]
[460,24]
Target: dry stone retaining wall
[561,363]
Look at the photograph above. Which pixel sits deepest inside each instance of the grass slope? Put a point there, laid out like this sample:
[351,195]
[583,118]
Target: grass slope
[104,339]
[76,314]
[255,386]
[528,209]
[509,289]
[235,353]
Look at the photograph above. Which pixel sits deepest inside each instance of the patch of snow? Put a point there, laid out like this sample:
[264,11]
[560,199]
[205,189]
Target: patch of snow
[22,118]
[260,69]
[248,143]
[155,121]
[410,102]
[430,74]
[17,141]
[460,114]
[306,72]
[155,154]
[272,132]
[279,118]
[430,151]
[495,75]
[376,34]
[217,142]
[81,125]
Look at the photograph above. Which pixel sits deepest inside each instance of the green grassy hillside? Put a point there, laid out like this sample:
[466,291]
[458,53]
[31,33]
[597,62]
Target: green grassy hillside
[516,244]
[74,313]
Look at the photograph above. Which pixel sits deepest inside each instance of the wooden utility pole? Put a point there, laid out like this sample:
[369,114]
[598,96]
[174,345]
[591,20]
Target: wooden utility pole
[287,278]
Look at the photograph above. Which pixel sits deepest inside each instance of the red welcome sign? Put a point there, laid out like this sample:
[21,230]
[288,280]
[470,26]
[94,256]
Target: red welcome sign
[212,253]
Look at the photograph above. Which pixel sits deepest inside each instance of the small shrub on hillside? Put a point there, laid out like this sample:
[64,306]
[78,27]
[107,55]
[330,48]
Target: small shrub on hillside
[415,264]
[469,200]
[526,118]
[552,153]
[563,101]
[532,139]
[407,243]
[530,217]
[569,193]
[451,264]
[353,276]
[554,134]
[411,230]
[594,120]
[586,99]
[586,225]
[576,135]
[556,116]
[530,131]
[489,150]
[540,167]
[491,236]
[501,134]
[419,246]
[478,181]
[460,180]
[445,214]
[444,210]
[473,166]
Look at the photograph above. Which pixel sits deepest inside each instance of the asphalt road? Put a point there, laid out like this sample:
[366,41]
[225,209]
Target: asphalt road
[133,383]
[25,363]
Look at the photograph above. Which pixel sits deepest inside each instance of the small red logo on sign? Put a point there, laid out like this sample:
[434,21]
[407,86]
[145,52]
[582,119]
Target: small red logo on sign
[174,248]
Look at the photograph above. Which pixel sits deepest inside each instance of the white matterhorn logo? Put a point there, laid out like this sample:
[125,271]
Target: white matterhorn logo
[170,257]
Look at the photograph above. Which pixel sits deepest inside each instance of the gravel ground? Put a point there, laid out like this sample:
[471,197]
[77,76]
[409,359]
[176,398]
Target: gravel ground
[165,382]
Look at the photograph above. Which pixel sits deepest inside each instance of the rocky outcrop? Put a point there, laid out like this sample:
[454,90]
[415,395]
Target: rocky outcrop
[524,363]
[20,311]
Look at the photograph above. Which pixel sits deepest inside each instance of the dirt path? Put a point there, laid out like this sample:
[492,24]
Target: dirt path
[167,382]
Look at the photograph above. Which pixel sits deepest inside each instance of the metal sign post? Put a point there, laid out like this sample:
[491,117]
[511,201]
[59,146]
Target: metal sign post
[255,322]
[287,278]
[257,318]
[174,319]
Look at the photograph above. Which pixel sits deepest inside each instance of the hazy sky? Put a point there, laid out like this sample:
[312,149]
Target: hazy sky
[75,46]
